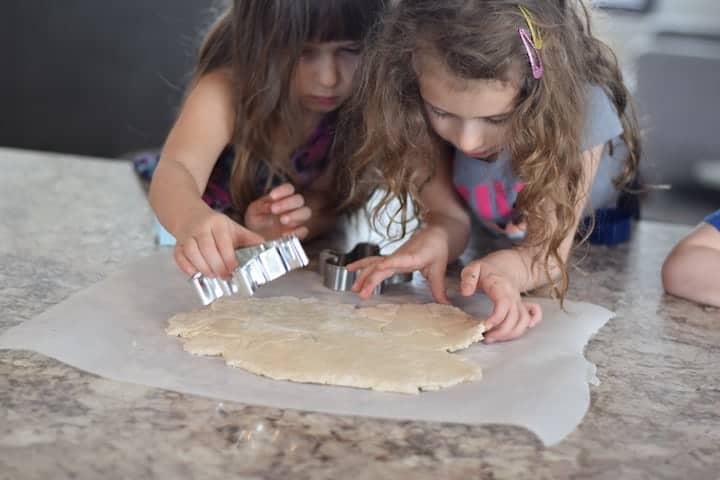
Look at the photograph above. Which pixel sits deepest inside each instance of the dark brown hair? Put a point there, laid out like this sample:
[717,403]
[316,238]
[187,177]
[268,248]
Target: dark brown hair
[390,139]
[259,42]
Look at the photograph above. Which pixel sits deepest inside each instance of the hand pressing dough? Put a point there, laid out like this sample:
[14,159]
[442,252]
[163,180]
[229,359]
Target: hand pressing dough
[394,348]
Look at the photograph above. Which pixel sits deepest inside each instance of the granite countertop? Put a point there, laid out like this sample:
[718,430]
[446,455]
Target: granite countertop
[66,223]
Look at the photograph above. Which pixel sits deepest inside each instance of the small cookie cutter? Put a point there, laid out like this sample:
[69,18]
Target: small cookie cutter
[258,265]
[333,268]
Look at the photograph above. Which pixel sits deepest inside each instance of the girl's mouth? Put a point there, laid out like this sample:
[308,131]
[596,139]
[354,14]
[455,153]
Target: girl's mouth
[479,153]
[324,101]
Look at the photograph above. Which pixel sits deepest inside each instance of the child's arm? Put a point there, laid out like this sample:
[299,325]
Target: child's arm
[205,239]
[692,269]
[442,237]
[505,274]
[202,130]
[446,212]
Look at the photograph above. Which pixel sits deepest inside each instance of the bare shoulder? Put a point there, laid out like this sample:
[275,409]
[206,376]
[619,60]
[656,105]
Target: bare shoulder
[209,109]
[219,79]
[205,124]
[704,235]
[215,87]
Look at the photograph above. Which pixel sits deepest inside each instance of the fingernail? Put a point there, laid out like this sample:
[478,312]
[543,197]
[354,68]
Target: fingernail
[284,220]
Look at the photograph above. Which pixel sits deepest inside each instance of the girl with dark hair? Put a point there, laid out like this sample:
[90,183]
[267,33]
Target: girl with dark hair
[248,157]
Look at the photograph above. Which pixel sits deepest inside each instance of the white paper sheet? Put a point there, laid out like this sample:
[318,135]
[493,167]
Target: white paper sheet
[116,329]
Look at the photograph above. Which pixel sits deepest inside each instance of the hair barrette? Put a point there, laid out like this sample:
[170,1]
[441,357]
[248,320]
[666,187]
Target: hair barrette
[534,32]
[533,54]
[532,42]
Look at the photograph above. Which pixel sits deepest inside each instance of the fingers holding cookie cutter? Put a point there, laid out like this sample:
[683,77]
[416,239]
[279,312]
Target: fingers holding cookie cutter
[333,268]
[258,265]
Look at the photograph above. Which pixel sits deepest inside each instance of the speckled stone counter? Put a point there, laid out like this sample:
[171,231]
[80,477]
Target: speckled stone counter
[66,223]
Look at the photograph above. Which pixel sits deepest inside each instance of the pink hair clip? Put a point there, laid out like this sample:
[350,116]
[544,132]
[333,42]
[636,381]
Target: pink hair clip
[533,54]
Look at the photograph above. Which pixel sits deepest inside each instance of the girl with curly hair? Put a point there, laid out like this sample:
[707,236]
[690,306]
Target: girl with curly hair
[511,112]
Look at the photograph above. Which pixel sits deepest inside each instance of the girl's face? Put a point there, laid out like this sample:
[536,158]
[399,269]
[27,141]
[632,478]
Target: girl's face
[472,115]
[324,73]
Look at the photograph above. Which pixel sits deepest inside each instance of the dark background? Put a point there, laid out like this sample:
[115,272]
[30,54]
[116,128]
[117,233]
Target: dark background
[98,77]
[95,77]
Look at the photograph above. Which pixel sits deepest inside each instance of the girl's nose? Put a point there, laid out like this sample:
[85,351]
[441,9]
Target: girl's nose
[469,138]
[328,74]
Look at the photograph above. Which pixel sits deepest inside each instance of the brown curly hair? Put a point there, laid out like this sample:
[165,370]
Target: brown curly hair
[390,143]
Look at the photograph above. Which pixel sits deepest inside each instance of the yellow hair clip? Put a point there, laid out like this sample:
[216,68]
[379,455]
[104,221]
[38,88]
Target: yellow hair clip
[534,33]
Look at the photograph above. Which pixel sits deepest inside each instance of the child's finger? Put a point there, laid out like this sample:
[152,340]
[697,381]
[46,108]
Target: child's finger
[367,269]
[296,217]
[287,204]
[502,330]
[522,325]
[363,263]
[301,232]
[192,252]
[500,311]
[282,191]
[406,262]
[436,279]
[243,237]
[223,240]
[535,312]
[373,280]
[469,278]
[209,251]
[185,265]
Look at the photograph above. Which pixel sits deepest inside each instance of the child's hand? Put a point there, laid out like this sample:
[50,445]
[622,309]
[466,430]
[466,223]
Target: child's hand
[511,317]
[208,242]
[280,212]
[426,251]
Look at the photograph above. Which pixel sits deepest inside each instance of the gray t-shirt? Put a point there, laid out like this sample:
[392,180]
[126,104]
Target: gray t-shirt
[490,188]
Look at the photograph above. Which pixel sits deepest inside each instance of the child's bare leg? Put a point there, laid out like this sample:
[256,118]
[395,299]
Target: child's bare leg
[692,270]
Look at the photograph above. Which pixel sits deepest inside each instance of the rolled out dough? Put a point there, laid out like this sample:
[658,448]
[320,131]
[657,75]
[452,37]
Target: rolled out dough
[395,348]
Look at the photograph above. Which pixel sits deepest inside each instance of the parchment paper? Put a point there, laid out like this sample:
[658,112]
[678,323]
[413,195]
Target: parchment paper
[115,329]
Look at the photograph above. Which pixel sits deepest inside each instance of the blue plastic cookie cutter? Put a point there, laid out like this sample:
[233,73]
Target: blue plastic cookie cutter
[613,226]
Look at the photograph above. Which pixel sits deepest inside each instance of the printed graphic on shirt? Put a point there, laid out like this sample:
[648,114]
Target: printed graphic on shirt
[490,188]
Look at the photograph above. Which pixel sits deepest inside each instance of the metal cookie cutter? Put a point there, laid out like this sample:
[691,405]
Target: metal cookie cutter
[336,276]
[259,264]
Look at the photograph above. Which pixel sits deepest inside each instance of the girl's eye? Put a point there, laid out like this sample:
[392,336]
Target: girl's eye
[497,121]
[351,50]
[436,112]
